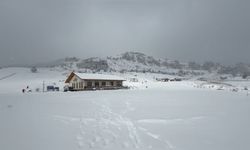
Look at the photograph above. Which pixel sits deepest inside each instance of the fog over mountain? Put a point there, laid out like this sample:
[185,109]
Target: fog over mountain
[34,31]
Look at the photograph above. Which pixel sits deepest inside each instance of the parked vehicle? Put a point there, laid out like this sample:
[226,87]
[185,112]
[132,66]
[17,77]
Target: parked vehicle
[52,88]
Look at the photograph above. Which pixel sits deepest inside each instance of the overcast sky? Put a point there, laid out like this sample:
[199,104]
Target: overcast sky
[34,31]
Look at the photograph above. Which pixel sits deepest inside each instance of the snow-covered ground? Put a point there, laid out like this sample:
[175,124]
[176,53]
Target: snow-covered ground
[151,115]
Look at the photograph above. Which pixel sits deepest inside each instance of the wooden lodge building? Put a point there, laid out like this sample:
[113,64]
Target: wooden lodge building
[83,81]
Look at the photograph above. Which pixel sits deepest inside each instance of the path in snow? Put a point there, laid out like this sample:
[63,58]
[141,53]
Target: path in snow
[170,121]
[108,129]
[8,76]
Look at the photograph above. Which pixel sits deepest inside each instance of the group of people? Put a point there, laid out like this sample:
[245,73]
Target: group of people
[27,89]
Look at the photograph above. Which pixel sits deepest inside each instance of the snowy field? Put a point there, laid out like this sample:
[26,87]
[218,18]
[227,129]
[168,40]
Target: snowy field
[152,115]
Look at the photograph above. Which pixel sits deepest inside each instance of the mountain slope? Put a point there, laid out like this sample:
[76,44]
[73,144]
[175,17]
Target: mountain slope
[139,62]
[129,62]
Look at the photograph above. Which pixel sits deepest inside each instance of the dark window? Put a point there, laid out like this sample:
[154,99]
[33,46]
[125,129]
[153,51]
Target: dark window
[89,84]
[96,84]
[119,83]
[112,83]
[103,83]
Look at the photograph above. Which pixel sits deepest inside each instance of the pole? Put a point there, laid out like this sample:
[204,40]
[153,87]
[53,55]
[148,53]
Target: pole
[43,86]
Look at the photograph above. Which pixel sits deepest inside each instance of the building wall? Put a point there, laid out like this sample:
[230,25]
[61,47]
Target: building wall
[102,84]
[79,84]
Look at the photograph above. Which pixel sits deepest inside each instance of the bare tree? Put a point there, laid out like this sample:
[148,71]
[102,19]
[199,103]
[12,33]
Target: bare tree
[33,69]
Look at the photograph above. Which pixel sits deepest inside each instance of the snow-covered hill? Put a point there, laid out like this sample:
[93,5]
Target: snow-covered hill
[129,61]
[139,62]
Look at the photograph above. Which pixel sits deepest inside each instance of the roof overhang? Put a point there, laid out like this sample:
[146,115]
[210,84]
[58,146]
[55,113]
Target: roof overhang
[102,78]
[70,77]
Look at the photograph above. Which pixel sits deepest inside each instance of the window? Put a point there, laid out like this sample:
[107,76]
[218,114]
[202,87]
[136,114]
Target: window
[103,83]
[112,83]
[81,85]
[89,84]
[119,83]
[97,84]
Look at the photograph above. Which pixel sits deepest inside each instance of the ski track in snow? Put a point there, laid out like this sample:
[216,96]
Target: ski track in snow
[171,121]
[108,129]
[8,76]
[158,137]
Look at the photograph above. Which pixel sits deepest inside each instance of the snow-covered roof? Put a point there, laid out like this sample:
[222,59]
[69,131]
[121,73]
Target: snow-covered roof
[88,76]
